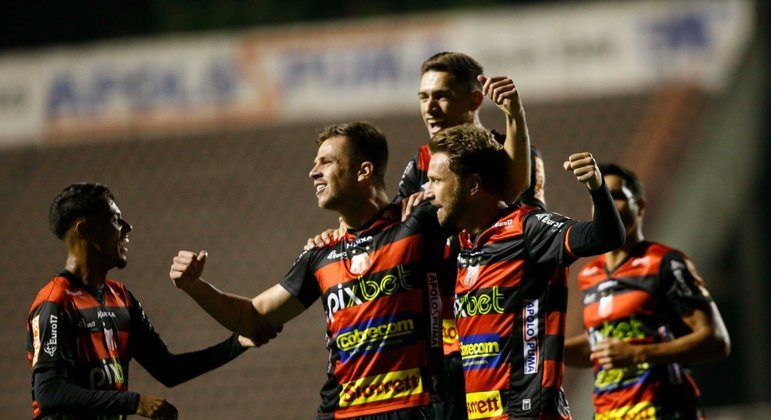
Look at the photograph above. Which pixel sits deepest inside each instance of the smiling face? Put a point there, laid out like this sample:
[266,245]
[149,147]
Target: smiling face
[447,190]
[443,102]
[332,173]
[109,236]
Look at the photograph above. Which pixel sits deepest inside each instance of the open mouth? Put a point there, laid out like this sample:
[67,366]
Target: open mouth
[320,188]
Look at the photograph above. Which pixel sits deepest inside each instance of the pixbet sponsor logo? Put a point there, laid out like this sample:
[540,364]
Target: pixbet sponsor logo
[365,289]
[381,387]
[479,304]
[530,336]
[109,373]
[482,405]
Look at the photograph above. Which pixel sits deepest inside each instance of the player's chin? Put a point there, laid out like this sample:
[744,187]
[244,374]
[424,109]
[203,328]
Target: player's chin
[121,263]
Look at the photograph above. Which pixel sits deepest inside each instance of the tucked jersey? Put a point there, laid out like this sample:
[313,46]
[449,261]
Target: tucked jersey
[379,292]
[642,301]
[510,303]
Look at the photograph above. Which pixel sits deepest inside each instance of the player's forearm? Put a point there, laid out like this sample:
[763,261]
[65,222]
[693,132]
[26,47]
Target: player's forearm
[697,347]
[517,147]
[229,310]
[606,231]
[577,351]
[55,395]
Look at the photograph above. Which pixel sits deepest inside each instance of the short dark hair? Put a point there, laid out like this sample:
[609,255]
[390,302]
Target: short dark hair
[462,67]
[75,201]
[630,178]
[368,144]
[472,150]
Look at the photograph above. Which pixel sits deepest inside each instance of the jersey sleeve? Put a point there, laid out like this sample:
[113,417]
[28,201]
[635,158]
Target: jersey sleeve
[48,332]
[152,352]
[51,389]
[681,285]
[545,235]
[300,281]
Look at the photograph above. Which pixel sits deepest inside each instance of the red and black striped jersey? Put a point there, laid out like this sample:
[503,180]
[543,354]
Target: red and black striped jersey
[510,304]
[379,292]
[85,338]
[642,301]
[69,327]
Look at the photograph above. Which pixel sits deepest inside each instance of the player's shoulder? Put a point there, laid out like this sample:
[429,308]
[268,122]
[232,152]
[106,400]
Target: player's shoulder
[595,267]
[660,252]
[58,290]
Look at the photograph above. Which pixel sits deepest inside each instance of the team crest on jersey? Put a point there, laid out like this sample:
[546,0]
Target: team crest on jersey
[360,263]
[472,275]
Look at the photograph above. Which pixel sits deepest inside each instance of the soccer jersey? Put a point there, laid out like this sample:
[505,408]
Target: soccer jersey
[89,336]
[510,304]
[642,301]
[379,292]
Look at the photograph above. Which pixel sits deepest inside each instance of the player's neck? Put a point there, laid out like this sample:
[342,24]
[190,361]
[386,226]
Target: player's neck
[93,277]
[361,212]
[483,215]
[614,258]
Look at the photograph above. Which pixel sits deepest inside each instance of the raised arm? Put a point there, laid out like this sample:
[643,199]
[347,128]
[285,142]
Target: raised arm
[504,93]
[259,318]
[606,231]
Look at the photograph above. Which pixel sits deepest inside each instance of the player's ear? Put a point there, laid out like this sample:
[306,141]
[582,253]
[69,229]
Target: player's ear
[83,227]
[641,204]
[476,100]
[474,184]
[366,170]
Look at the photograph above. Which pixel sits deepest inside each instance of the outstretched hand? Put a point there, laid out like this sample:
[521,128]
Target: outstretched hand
[187,268]
[585,169]
[156,408]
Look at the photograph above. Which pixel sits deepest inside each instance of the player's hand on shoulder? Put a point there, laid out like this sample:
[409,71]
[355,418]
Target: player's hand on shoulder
[156,408]
[585,168]
[412,201]
[326,237]
[187,267]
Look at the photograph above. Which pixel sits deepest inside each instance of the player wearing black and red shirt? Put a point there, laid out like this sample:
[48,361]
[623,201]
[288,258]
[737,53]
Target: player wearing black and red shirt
[647,315]
[376,286]
[84,328]
[450,94]
[511,291]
